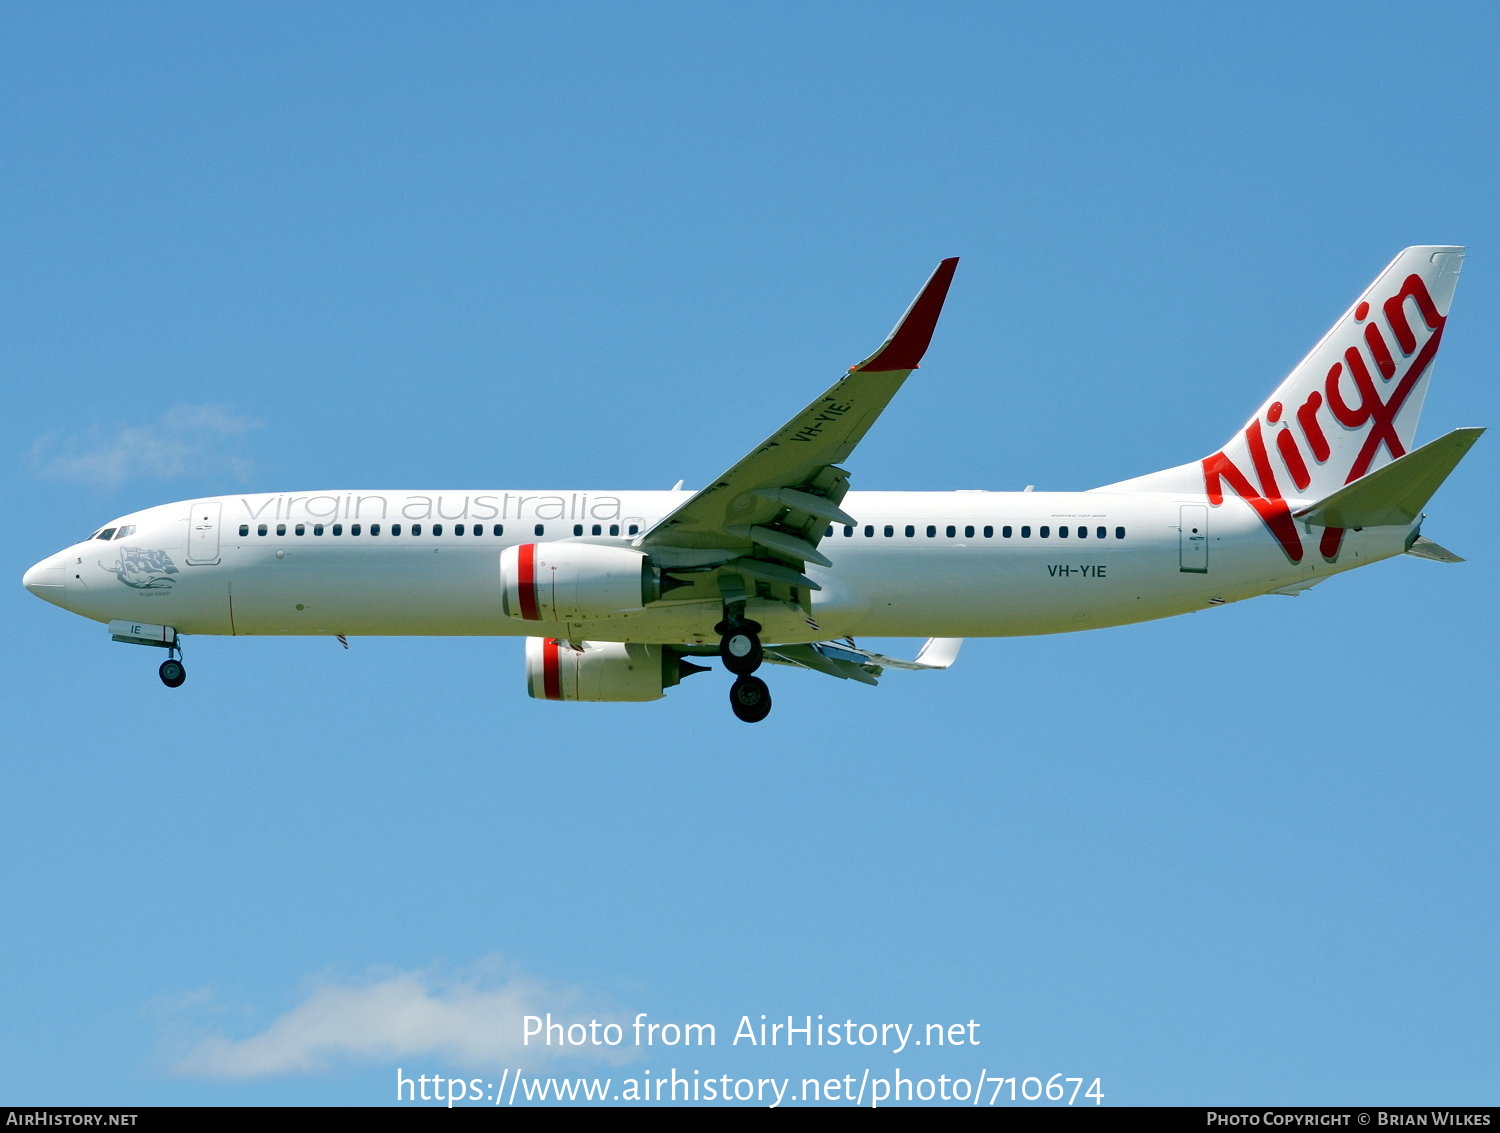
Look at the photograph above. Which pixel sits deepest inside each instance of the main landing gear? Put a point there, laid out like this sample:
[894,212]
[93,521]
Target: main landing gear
[750,699]
[741,652]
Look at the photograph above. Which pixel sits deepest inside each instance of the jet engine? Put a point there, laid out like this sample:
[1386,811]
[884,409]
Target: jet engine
[559,582]
[602,670]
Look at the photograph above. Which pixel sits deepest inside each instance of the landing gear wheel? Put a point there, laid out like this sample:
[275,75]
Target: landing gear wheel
[750,699]
[741,651]
[172,673]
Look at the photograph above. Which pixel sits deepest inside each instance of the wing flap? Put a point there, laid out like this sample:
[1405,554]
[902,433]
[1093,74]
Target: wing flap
[817,658]
[766,571]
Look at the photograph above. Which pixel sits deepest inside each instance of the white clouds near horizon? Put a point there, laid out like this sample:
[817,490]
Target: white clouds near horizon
[185,441]
[472,1019]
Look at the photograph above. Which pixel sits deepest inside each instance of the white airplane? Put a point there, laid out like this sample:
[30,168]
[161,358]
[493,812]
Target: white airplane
[617,592]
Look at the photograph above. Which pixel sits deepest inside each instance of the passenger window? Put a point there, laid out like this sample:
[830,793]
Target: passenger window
[458,529]
[354,529]
[541,529]
[395,529]
[577,529]
[634,529]
[437,528]
[244,529]
[1119,532]
[1044,532]
[952,531]
[338,529]
[598,529]
[317,529]
[281,529]
[829,533]
[1100,533]
[1083,532]
[614,528]
[1062,532]
[261,530]
[499,530]
[301,529]
[910,530]
[931,531]
[848,531]
[416,529]
[889,530]
[869,531]
[374,529]
[1026,532]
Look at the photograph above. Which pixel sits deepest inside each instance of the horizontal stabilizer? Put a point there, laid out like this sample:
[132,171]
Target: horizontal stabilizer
[1425,548]
[1396,494]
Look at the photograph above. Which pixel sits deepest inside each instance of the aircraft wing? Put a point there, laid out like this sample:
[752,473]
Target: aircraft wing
[764,517]
[848,661]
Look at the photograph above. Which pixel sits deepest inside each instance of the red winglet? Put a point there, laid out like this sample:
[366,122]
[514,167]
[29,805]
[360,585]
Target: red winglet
[913,331]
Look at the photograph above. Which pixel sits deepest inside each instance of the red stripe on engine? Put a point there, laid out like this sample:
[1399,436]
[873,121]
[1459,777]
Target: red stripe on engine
[526,582]
[551,677]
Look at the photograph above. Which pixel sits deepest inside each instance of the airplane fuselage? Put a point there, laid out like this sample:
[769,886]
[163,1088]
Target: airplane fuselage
[916,564]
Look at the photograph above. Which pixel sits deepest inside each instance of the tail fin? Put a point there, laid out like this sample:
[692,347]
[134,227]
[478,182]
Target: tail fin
[1348,408]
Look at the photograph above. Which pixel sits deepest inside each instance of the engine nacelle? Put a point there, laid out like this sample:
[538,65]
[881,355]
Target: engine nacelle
[604,670]
[560,582]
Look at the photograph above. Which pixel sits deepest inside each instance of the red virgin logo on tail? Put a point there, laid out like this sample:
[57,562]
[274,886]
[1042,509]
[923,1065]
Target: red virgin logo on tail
[1346,418]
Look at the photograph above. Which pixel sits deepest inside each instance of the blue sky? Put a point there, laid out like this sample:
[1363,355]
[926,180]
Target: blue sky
[1244,857]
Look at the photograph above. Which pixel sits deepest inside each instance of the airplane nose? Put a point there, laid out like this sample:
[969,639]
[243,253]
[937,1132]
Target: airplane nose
[47,581]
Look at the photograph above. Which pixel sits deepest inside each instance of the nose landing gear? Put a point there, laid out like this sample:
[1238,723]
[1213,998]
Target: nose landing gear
[172,671]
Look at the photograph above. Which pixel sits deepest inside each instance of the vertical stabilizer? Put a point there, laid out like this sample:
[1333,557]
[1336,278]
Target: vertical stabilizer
[1347,409]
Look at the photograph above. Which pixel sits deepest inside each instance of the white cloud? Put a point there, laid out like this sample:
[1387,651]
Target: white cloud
[473,1020]
[187,440]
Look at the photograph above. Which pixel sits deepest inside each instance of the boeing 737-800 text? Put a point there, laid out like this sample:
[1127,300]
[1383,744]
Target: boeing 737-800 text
[618,592]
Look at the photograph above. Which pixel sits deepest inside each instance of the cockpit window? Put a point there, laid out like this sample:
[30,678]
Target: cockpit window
[128,529]
[107,533]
